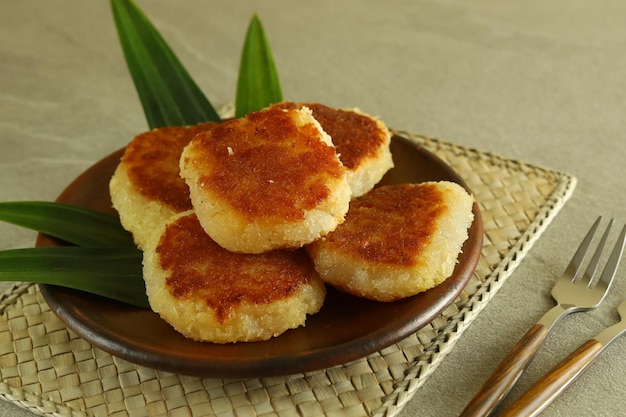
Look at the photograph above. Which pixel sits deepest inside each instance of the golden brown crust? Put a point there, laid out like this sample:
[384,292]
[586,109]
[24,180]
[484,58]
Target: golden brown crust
[397,240]
[355,135]
[265,166]
[362,143]
[390,225]
[210,294]
[269,180]
[151,164]
[146,188]
[198,268]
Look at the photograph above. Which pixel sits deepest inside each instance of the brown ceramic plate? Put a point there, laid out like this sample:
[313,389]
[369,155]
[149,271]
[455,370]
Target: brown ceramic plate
[345,329]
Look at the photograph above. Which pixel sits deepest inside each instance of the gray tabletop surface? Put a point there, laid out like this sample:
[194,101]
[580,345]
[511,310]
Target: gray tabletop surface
[541,81]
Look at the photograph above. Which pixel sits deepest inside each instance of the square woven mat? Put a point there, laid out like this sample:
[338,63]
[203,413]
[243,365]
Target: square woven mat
[50,371]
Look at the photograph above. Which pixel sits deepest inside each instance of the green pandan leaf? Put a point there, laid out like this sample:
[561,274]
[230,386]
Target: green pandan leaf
[114,273]
[258,85]
[167,92]
[73,224]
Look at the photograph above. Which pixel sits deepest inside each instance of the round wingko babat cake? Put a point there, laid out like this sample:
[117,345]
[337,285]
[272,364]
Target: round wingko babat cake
[210,294]
[397,240]
[269,180]
[362,142]
[146,188]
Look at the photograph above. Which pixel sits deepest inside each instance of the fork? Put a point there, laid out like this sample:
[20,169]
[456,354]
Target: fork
[555,382]
[572,293]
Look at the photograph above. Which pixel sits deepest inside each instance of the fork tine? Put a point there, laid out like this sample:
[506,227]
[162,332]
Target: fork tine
[612,264]
[591,270]
[577,260]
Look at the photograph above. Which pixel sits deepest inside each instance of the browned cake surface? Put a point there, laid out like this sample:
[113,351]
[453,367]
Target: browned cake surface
[397,238]
[263,165]
[355,136]
[151,162]
[199,269]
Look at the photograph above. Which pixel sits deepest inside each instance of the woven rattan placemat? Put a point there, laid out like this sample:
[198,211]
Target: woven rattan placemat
[50,371]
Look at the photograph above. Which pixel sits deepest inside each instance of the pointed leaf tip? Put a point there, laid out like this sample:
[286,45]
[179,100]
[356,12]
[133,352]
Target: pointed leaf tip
[258,84]
[168,94]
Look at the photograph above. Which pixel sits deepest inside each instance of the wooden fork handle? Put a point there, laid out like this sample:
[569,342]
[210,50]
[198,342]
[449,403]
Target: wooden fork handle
[506,374]
[548,388]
